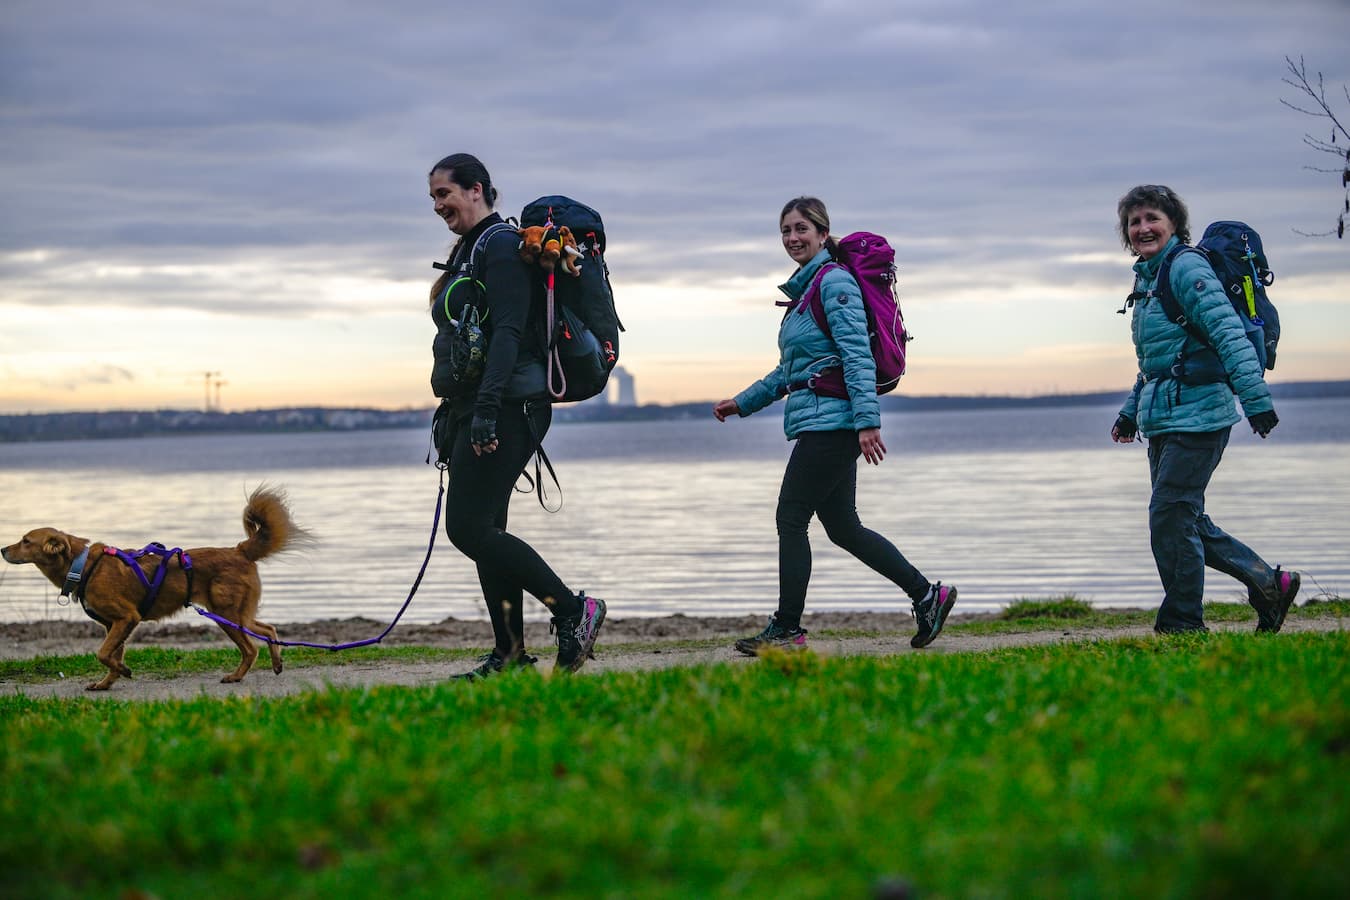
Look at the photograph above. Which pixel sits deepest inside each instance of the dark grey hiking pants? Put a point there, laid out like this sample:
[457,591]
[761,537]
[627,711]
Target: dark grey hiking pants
[1184,539]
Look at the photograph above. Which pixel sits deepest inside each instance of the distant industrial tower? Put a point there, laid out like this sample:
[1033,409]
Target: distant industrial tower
[627,391]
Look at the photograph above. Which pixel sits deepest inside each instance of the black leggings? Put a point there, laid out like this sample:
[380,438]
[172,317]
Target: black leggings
[476,502]
[822,480]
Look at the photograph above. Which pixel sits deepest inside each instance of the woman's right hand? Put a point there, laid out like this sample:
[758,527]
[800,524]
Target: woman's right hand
[726,408]
[483,435]
[1124,430]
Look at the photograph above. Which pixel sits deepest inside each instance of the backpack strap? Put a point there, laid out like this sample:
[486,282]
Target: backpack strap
[467,267]
[812,299]
[476,251]
[1203,366]
[1171,306]
[537,482]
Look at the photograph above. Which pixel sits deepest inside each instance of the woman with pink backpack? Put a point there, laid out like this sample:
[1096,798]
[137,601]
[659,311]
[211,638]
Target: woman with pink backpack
[830,431]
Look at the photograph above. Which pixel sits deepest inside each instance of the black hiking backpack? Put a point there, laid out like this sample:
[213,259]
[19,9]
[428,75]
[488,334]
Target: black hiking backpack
[1235,253]
[582,326]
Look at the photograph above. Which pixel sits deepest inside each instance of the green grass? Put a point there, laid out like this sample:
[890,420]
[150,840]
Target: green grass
[1066,607]
[1193,766]
[1071,612]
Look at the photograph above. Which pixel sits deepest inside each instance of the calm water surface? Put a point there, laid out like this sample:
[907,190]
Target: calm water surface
[677,516]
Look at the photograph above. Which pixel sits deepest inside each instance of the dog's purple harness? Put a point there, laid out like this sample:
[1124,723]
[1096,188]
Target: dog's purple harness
[82,570]
[153,584]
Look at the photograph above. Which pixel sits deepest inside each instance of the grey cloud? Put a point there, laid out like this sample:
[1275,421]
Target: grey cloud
[149,130]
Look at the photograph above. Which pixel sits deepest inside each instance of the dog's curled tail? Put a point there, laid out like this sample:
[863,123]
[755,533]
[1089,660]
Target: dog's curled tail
[269,526]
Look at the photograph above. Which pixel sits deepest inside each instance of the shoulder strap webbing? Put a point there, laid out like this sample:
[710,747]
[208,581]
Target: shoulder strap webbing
[1171,306]
[812,299]
[450,266]
[465,270]
[479,244]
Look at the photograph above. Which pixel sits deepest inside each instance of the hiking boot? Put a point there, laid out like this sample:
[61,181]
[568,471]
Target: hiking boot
[494,663]
[577,634]
[1286,588]
[773,635]
[931,613]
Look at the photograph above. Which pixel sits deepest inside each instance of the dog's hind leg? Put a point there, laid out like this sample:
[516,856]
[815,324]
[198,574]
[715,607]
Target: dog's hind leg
[275,649]
[110,651]
[247,651]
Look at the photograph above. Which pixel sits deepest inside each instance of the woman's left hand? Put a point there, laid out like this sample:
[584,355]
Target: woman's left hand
[873,450]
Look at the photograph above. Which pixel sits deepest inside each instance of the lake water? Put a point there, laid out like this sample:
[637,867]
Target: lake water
[677,516]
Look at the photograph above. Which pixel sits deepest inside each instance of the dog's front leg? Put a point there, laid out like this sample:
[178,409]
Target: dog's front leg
[110,652]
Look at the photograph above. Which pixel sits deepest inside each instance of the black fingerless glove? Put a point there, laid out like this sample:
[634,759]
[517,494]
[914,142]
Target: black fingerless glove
[482,431]
[1264,422]
[1125,426]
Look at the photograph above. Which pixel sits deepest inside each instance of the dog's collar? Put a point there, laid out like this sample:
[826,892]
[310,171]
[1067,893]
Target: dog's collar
[76,572]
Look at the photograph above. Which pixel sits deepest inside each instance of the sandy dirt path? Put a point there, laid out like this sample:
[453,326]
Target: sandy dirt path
[625,645]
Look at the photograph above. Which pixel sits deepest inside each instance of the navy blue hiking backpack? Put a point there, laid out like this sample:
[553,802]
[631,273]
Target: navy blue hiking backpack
[582,325]
[1235,253]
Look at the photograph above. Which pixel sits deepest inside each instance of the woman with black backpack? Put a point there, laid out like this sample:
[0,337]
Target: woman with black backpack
[494,412]
[830,434]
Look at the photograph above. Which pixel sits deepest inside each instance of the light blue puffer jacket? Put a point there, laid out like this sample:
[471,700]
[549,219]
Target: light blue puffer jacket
[805,350]
[1161,404]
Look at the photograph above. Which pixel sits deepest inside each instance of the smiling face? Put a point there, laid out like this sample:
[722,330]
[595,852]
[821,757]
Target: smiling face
[1149,229]
[461,208]
[801,238]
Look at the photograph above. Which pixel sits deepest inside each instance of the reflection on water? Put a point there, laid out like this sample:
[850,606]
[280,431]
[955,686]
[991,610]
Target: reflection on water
[677,516]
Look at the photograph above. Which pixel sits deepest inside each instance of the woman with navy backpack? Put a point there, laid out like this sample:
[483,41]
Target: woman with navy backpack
[489,427]
[830,433]
[1182,402]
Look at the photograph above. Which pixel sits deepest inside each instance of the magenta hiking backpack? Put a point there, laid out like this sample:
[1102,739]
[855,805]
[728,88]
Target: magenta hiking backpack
[870,259]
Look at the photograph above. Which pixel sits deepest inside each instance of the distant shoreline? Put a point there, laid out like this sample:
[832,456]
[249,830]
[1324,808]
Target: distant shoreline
[29,427]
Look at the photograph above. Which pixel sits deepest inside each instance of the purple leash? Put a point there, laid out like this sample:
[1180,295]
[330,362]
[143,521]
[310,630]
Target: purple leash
[435,524]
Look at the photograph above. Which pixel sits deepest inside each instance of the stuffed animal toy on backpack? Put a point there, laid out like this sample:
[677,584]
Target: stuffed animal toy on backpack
[532,245]
[570,253]
[546,246]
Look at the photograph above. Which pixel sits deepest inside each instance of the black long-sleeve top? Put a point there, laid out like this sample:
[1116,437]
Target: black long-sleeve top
[515,367]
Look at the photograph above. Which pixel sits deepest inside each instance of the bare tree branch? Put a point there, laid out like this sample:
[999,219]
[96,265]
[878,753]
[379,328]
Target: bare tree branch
[1318,94]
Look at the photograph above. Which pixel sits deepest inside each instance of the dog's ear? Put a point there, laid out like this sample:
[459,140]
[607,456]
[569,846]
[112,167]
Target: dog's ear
[56,545]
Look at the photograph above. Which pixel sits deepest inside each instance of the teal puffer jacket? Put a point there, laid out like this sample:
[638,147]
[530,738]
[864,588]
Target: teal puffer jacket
[805,350]
[1161,403]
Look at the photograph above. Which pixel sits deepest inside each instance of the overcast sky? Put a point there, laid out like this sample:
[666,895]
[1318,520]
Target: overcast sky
[240,187]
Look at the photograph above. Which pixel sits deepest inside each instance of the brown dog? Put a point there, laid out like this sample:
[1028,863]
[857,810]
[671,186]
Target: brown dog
[224,580]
